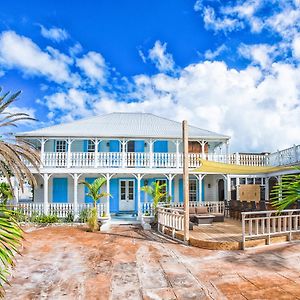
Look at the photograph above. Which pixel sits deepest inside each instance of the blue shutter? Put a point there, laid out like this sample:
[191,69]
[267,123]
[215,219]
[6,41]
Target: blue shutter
[85,145]
[60,190]
[88,199]
[114,146]
[180,190]
[114,199]
[139,146]
[161,146]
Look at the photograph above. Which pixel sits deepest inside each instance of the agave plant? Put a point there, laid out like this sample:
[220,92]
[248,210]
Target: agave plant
[286,192]
[13,154]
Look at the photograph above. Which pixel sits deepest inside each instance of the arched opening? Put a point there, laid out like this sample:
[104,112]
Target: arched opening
[221,190]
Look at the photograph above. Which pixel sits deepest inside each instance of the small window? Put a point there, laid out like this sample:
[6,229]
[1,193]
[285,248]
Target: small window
[193,189]
[90,146]
[61,146]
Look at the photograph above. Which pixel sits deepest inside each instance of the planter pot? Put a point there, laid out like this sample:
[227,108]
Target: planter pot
[146,221]
[104,223]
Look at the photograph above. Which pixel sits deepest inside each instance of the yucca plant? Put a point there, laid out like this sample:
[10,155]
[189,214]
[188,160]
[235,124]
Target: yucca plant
[94,191]
[286,192]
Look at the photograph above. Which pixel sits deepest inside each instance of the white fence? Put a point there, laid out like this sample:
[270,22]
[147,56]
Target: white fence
[212,206]
[265,224]
[61,210]
[170,218]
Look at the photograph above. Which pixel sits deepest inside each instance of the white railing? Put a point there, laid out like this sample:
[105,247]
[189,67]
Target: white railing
[61,210]
[170,218]
[101,208]
[265,224]
[28,209]
[147,207]
[165,160]
[217,207]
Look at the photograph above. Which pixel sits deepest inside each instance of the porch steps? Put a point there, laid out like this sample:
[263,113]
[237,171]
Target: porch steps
[126,218]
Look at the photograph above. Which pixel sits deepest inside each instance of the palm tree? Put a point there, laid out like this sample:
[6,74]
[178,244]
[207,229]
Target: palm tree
[286,192]
[157,192]
[6,193]
[13,154]
[94,189]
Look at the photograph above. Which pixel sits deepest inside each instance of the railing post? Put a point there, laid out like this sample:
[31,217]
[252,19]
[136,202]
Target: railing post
[96,142]
[42,152]
[243,231]
[69,143]
[46,203]
[290,225]
[75,196]
[268,228]
[151,153]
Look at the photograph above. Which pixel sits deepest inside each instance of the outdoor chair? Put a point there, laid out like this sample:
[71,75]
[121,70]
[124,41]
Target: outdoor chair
[253,205]
[200,215]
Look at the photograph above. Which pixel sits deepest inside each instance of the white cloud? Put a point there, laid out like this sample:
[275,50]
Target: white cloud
[94,67]
[75,50]
[22,53]
[158,55]
[54,33]
[142,56]
[217,24]
[259,53]
[198,6]
[296,46]
[210,55]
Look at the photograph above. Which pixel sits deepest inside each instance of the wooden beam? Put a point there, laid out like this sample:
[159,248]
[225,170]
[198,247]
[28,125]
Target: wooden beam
[186,180]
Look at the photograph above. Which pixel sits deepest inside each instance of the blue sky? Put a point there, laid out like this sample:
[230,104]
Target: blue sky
[227,66]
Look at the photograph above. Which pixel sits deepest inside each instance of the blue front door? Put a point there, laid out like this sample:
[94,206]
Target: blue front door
[60,190]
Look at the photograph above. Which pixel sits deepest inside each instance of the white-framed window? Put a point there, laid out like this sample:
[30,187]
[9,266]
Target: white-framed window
[90,146]
[193,189]
[61,146]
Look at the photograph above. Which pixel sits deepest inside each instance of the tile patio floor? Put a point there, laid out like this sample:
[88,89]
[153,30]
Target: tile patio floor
[128,263]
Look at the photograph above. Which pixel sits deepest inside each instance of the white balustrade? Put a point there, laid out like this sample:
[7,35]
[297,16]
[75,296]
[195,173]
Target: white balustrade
[101,208]
[212,206]
[28,209]
[170,218]
[265,224]
[61,210]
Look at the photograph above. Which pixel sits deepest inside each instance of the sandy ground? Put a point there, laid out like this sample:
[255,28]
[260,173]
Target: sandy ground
[129,263]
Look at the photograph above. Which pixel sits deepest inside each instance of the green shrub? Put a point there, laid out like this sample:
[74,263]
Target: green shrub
[69,218]
[44,219]
[93,220]
[83,215]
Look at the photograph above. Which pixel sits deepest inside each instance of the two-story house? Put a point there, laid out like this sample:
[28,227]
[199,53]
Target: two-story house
[130,150]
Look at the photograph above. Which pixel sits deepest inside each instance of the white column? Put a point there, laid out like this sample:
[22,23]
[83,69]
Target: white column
[108,192]
[237,188]
[151,153]
[69,142]
[228,190]
[42,151]
[203,149]
[177,143]
[139,177]
[16,191]
[46,201]
[75,177]
[200,177]
[96,142]
[123,142]
[237,158]
[267,189]
[227,152]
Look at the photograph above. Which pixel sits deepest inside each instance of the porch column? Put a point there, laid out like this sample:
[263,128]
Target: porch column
[267,189]
[16,191]
[177,143]
[123,143]
[96,143]
[203,149]
[46,201]
[69,143]
[200,178]
[139,178]
[108,177]
[151,160]
[227,151]
[75,177]
[43,141]
[237,188]
[170,178]
[228,190]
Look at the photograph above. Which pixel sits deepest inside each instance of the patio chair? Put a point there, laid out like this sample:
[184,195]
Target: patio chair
[253,205]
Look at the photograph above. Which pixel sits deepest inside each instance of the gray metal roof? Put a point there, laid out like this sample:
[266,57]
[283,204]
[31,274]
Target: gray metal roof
[123,125]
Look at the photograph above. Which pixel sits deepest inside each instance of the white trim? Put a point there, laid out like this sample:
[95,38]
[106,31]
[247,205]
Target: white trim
[126,191]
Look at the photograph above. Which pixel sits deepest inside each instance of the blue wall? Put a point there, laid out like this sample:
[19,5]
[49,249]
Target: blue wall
[139,146]
[114,146]
[60,190]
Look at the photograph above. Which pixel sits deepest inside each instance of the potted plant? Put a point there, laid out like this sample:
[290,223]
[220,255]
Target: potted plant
[94,191]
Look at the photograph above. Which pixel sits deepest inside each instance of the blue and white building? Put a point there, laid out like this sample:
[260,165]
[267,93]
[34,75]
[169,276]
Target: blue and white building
[130,150]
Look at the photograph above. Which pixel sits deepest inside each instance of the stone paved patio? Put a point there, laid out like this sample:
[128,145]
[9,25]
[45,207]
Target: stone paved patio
[128,263]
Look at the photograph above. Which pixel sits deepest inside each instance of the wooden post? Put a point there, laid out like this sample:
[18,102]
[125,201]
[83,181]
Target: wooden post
[186,180]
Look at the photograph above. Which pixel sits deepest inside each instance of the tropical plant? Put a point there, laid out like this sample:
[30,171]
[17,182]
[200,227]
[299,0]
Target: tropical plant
[83,215]
[5,193]
[157,192]
[10,240]
[13,154]
[94,191]
[286,192]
